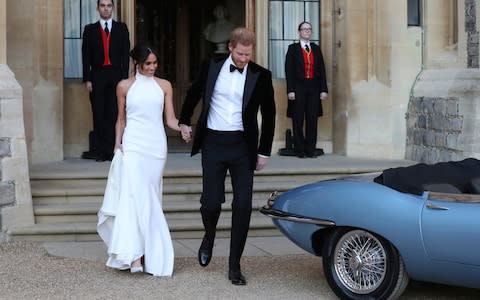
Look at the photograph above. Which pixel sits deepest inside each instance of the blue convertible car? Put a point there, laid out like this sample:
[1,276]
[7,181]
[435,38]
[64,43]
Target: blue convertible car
[374,234]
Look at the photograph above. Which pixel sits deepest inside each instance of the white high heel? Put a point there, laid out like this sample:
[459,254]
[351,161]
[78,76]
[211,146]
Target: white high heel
[136,269]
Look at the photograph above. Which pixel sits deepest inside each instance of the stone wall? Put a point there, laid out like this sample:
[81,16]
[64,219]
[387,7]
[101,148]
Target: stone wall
[434,129]
[443,117]
[7,188]
[472,33]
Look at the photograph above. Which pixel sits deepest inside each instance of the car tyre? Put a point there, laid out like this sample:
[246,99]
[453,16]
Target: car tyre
[359,264]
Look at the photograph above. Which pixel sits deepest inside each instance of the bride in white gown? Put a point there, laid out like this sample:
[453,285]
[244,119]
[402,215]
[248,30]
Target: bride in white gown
[131,220]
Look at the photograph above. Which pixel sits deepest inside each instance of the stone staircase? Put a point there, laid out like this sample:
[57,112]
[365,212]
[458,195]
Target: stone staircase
[65,207]
[66,195]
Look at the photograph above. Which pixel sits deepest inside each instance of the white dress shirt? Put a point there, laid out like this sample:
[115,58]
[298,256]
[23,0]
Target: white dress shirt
[303,43]
[225,112]
[109,24]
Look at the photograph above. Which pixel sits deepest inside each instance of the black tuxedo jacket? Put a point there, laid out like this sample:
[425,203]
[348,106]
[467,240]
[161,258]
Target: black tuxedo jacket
[295,69]
[258,94]
[92,49]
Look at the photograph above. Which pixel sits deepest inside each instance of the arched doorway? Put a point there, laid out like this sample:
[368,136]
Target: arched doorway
[179,30]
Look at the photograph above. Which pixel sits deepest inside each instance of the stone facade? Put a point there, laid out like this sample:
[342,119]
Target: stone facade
[395,91]
[443,120]
[372,59]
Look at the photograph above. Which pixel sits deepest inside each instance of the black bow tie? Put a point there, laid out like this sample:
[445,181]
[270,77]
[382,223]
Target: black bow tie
[233,68]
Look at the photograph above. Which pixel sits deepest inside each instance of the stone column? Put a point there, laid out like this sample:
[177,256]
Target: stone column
[35,55]
[15,195]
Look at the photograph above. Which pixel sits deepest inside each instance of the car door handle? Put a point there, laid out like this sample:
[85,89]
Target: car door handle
[433,206]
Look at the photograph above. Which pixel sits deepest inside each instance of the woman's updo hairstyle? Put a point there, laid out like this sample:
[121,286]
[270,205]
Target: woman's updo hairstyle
[140,53]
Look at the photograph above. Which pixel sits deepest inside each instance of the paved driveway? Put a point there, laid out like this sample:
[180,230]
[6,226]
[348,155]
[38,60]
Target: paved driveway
[27,271]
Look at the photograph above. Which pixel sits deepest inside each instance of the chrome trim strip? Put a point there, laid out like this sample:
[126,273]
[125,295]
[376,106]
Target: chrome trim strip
[277,214]
[436,207]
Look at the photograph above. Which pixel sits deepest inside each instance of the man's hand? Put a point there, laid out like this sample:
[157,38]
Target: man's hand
[186,132]
[291,96]
[261,163]
[323,95]
[88,86]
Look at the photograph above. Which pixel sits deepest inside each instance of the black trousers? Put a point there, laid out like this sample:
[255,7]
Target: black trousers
[222,151]
[306,106]
[103,100]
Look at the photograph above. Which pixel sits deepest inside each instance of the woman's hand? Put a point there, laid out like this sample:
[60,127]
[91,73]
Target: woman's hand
[186,132]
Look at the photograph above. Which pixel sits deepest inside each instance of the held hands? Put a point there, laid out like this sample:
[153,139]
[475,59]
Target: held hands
[186,132]
[291,96]
[117,147]
[88,86]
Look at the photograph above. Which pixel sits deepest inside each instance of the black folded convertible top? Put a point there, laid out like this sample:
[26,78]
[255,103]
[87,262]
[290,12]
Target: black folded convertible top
[413,179]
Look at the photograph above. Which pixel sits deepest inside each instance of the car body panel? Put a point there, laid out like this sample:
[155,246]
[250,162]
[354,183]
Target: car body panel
[443,248]
[456,224]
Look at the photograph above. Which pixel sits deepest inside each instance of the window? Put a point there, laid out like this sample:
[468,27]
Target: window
[283,29]
[414,13]
[77,14]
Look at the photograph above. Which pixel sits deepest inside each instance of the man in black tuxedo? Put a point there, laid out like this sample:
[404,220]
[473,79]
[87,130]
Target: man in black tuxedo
[306,87]
[233,89]
[105,57]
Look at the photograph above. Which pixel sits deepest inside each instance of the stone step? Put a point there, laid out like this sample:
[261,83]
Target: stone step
[92,192]
[179,228]
[85,185]
[67,194]
[167,198]
[96,188]
[66,209]
[87,212]
[176,179]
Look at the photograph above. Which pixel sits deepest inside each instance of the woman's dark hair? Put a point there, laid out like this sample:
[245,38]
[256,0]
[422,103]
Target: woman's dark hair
[140,53]
[304,22]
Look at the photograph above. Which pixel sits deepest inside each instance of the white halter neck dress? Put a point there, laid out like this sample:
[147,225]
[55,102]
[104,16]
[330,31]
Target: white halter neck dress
[137,227]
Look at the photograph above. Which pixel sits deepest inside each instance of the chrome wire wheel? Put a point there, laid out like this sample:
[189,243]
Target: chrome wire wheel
[360,261]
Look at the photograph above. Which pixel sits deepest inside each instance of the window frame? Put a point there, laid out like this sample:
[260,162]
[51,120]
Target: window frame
[80,18]
[414,12]
[276,54]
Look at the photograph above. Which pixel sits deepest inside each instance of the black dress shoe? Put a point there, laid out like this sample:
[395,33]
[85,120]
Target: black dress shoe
[300,154]
[89,155]
[104,157]
[205,252]
[311,155]
[101,158]
[236,277]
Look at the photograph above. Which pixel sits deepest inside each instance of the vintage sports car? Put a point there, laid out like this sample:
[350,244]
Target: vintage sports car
[374,233]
